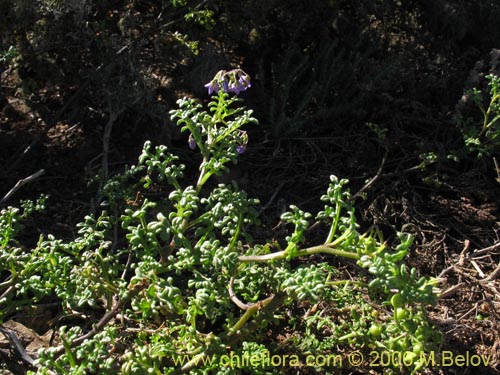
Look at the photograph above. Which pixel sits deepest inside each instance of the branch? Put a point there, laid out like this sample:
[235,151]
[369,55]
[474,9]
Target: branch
[105,141]
[369,184]
[235,333]
[104,320]
[20,183]
[321,249]
[18,346]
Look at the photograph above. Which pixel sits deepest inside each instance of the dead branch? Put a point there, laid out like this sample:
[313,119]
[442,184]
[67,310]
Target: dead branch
[17,345]
[20,183]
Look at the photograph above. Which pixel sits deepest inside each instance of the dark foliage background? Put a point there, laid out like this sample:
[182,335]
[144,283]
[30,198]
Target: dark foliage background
[85,83]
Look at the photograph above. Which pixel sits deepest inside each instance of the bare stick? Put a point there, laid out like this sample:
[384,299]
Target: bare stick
[118,306]
[270,201]
[20,183]
[497,169]
[18,346]
[105,141]
[369,184]
[486,249]
[492,276]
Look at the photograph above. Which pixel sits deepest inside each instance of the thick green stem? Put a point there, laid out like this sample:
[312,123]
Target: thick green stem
[321,249]
[204,176]
[490,124]
[333,228]
[201,178]
[348,336]
[236,233]
[248,314]
[234,334]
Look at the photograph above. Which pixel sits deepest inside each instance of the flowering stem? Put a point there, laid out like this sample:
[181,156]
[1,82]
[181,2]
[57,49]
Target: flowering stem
[220,107]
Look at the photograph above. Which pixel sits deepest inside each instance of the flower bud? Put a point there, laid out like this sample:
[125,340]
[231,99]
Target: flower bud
[191,142]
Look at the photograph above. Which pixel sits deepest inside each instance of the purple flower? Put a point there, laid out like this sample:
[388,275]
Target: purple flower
[240,149]
[240,82]
[236,88]
[213,87]
[244,81]
[191,142]
[234,81]
[225,85]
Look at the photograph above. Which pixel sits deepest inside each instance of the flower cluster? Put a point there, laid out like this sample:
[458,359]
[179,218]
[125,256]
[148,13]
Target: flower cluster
[219,127]
[235,81]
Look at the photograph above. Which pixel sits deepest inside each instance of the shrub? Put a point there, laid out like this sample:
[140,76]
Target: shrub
[181,286]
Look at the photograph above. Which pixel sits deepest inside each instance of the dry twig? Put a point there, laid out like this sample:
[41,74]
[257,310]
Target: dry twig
[20,183]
